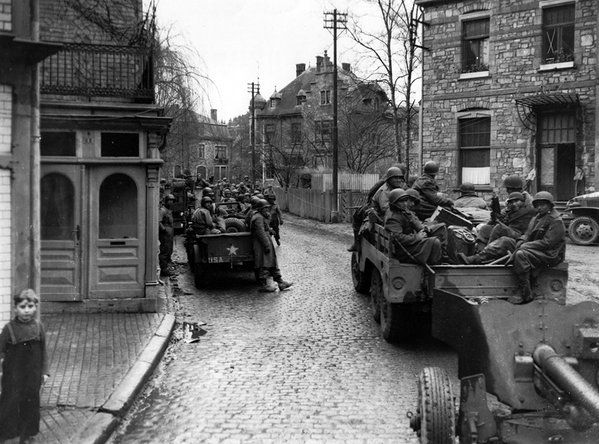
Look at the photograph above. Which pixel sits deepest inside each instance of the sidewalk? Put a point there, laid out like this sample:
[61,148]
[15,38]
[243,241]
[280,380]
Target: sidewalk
[98,363]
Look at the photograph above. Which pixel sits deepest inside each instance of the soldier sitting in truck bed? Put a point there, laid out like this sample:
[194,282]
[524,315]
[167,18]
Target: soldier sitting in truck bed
[542,245]
[413,242]
[203,219]
[427,187]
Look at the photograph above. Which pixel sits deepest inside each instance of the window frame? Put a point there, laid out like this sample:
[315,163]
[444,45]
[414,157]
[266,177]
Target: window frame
[220,149]
[463,149]
[559,27]
[201,151]
[481,39]
[296,133]
[325,97]
[323,128]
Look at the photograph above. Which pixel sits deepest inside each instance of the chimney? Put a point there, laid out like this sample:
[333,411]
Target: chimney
[299,68]
[319,63]
[214,115]
[346,67]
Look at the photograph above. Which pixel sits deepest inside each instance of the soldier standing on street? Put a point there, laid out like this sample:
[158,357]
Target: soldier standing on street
[276,217]
[265,257]
[166,234]
[427,187]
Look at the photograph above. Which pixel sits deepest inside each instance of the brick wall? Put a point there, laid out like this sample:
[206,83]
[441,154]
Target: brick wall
[5,206]
[6,15]
[514,61]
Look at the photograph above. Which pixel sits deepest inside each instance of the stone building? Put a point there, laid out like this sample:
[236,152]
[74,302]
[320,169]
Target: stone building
[101,135]
[294,128]
[510,87]
[203,148]
[21,52]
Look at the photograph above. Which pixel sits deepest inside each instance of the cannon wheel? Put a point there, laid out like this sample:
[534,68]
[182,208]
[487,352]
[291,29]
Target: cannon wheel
[361,280]
[584,230]
[376,294]
[396,324]
[436,407]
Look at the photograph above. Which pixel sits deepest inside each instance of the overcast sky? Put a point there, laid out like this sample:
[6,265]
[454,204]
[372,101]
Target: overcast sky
[240,41]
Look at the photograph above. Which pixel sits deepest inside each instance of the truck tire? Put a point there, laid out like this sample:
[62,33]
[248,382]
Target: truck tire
[436,407]
[234,225]
[584,230]
[360,279]
[376,294]
[396,322]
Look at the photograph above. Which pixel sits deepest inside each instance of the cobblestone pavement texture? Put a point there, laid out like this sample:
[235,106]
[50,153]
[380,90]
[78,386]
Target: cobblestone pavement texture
[89,355]
[304,365]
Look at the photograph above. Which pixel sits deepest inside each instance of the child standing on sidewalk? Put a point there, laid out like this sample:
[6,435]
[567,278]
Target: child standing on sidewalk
[24,370]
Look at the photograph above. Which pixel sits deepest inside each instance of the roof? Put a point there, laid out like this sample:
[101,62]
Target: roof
[211,129]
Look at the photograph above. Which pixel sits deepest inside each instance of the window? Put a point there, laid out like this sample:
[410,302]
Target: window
[220,172]
[201,171]
[58,144]
[177,171]
[322,131]
[120,145]
[296,132]
[301,99]
[558,34]
[269,133]
[475,45]
[118,207]
[220,152]
[475,150]
[325,97]
[201,151]
[57,207]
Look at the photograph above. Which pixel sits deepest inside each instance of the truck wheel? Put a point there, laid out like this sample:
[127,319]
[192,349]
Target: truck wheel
[234,225]
[436,407]
[584,230]
[376,294]
[396,323]
[360,279]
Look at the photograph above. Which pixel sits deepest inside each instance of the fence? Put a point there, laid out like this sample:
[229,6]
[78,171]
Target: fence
[347,181]
[315,204]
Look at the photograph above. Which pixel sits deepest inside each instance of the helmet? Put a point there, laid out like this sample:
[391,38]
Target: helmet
[467,187]
[515,196]
[261,204]
[395,172]
[260,196]
[395,195]
[513,181]
[169,197]
[543,196]
[414,194]
[207,191]
[271,197]
[206,199]
[431,167]
[254,200]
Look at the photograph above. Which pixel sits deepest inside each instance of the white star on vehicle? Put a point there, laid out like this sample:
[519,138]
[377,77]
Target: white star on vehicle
[232,250]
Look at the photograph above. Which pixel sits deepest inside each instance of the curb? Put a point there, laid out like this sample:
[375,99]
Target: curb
[99,427]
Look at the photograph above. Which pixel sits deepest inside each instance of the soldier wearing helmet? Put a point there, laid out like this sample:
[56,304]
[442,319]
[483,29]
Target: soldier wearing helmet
[411,240]
[203,220]
[276,217]
[166,234]
[514,184]
[427,187]
[265,257]
[394,178]
[468,198]
[542,245]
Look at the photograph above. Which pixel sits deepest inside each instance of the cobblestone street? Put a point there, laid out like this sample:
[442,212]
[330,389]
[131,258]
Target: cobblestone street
[302,365]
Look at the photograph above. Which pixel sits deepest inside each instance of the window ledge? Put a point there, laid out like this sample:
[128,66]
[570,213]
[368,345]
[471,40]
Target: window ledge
[556,66]
[474,75]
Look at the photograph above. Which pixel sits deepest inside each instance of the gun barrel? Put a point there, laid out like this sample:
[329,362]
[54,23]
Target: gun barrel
[567,379]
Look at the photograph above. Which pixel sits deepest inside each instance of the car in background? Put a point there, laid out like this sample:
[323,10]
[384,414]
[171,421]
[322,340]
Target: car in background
[581,217]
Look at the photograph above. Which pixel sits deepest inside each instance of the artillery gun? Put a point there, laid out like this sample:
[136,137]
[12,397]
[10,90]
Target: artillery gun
[540,360]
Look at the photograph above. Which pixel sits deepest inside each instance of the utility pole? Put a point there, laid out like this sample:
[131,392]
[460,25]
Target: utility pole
[335,20]
[253,88]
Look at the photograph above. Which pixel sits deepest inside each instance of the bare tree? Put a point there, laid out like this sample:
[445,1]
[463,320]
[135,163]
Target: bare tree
[390,46]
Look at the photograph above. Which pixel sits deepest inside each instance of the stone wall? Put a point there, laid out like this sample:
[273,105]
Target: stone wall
[515,72]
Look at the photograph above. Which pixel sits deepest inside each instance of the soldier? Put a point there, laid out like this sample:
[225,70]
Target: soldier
[428,189]
[513,184]
[468,198]
[412,241]
[276,217]
[543,244]
[166,234]
[394,178]
[203,219]
[265,258]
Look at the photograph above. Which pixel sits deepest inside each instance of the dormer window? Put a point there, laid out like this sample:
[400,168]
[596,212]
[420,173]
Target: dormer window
[301,97]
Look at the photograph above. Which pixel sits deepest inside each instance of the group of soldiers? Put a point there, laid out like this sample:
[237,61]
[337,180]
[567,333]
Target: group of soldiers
[528,233]
[259,213]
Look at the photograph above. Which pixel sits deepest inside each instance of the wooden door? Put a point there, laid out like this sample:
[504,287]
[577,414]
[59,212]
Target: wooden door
[117,232]
[564,171]
[61,210]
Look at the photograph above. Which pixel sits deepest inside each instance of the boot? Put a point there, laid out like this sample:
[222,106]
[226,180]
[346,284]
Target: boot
[354,247]
[525,291]
[469,260]
[284,285]
[267,286]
